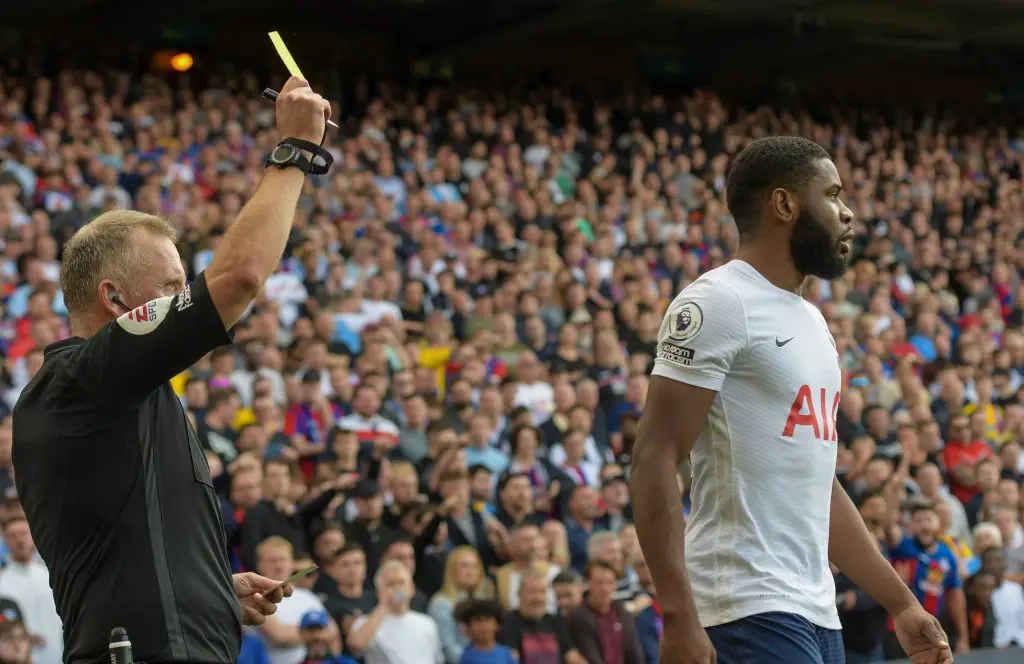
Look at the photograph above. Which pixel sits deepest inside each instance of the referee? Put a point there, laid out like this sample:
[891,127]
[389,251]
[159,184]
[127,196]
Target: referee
[113,479]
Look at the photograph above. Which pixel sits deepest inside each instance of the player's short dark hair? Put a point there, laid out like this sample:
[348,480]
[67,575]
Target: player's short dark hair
[766,164]
[473,609]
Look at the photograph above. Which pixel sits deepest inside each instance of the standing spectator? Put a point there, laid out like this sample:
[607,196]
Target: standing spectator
[602,630]
[392,633]
[26,579]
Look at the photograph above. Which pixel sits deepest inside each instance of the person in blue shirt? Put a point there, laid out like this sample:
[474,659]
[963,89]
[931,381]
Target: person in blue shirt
[253,650]
[930,569]
[481,618]
[320,636]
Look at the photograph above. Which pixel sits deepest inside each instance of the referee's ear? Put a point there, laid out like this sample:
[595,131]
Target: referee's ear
[111,299]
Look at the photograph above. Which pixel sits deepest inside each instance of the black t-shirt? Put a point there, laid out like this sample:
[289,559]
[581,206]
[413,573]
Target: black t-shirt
[117,491]
[543,641]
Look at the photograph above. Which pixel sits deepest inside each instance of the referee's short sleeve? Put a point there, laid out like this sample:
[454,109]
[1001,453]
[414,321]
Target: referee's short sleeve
[144,348]
[702,333]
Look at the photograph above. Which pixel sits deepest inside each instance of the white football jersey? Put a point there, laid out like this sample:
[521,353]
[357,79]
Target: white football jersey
[763,465]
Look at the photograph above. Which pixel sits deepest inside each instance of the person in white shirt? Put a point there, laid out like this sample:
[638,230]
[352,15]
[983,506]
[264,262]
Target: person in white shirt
[27,581]
[1007,601]
[280,632]
[392,633]
[532,393]
[746,384]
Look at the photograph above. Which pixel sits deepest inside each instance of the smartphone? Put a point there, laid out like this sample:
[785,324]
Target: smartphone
[298,575]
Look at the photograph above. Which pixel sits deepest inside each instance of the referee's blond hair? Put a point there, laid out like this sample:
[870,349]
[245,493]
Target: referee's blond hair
[105,249]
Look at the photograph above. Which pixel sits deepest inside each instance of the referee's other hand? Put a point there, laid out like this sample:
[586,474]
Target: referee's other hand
[258,596]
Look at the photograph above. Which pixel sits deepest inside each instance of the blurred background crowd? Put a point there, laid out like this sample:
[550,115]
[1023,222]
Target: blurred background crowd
[435,397]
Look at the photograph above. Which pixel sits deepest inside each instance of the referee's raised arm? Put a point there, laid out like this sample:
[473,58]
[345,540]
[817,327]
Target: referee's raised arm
[252,247]
[124,284]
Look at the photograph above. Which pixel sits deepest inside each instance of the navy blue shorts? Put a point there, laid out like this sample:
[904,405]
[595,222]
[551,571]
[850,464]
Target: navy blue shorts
[776,638]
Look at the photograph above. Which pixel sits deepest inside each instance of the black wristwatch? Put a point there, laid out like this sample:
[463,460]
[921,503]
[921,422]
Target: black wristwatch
[289,153]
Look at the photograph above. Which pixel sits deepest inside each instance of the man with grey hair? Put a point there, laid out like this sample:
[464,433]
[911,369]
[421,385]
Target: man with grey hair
[393,633]
[113,478]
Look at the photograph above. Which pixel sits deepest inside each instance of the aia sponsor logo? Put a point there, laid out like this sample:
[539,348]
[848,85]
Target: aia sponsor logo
[814,408]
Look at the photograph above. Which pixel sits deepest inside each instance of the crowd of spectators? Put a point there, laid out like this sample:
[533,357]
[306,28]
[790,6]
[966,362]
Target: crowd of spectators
[435,398]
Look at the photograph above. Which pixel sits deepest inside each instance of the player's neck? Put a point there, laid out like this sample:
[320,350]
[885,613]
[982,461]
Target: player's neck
[765,258]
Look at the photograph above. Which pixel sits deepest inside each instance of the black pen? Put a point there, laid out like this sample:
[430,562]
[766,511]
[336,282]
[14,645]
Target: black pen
[271,94]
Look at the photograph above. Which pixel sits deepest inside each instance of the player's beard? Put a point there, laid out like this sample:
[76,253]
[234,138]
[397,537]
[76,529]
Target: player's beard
[815,250]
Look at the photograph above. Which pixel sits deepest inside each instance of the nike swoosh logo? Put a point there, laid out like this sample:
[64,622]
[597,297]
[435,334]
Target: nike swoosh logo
[780,344]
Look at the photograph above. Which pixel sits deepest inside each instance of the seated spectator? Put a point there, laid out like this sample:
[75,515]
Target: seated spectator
[525,548]
[646,610]
[602,629]
[404,551]
[533,634]
[618,512]
[463,579]
[515,501]
[606,547]
[583,520]
[278,514]
[568,587]
[557,540]
[392,632]
[481,619]
[343,584]
[932,572]
[1007,601]
[980,616]
[366,529]
[15,643]
[321,639]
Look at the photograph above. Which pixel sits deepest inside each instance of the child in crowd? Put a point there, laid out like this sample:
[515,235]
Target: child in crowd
[481,618]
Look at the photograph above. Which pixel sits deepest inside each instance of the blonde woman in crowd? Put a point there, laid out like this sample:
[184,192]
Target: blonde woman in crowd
[463,579]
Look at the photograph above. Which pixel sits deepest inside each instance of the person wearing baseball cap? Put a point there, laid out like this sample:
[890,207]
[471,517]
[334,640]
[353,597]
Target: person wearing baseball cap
[322,639]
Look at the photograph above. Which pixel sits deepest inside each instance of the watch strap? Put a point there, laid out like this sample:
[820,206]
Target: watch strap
[321,162]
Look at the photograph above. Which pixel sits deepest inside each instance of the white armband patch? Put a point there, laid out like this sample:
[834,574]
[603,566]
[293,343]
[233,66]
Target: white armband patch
[145,319]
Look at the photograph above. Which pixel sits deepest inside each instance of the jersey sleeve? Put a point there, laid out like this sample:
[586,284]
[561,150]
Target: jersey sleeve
[703,331]
[134,354]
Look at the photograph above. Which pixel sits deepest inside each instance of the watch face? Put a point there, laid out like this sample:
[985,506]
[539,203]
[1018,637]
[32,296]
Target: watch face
[283,154]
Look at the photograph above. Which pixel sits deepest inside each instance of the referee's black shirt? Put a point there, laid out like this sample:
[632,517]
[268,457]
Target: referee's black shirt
[118,493]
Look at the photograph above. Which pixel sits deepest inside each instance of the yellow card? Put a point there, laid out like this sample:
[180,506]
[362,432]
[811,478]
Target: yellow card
[286,56]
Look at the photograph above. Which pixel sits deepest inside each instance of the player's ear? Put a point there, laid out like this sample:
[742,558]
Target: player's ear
[785,205]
